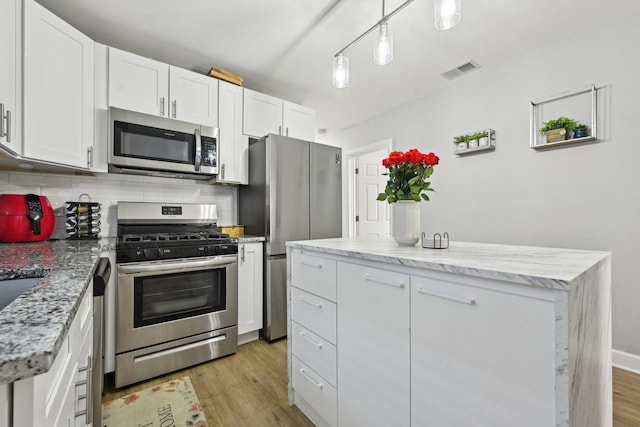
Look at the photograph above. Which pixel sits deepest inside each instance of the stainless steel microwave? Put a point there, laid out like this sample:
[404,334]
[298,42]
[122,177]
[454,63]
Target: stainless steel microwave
[136,148]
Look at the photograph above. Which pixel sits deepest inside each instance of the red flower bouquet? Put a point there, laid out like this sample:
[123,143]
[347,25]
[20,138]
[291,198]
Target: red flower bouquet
[408,174]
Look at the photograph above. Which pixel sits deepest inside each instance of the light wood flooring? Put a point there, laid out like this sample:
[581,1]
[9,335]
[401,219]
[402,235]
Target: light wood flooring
[249,389]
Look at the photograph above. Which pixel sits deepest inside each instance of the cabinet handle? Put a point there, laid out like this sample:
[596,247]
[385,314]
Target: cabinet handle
[319,385]
[311,265]
[310,302]
[175,107]
[162,106]
[8,132]
[308,338]
[280,130]
[470,301]
[88,395]
[287,131]
[222,170]
[371,279]
[90,157]
[242,254]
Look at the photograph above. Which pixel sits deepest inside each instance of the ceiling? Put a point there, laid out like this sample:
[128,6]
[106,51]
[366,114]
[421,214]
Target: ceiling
[285,47]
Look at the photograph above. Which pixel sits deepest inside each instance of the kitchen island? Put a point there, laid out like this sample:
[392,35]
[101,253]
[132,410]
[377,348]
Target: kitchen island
[45,332]
[476,334]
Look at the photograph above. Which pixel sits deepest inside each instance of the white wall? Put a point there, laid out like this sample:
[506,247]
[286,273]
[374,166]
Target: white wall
[108,189]
[581,196]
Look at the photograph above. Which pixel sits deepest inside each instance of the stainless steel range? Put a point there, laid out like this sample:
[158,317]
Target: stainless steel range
[177,289]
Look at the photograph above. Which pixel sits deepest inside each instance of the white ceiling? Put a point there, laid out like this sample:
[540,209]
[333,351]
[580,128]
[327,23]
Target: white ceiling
[285,47]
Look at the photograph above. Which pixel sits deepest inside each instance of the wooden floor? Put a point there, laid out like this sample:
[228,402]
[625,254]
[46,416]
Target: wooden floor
[249,389]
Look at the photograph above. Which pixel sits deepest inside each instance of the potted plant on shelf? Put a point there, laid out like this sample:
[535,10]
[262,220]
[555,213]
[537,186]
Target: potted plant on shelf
[483,139]
[473,139]
[580,131]
[461,142]
[557,129]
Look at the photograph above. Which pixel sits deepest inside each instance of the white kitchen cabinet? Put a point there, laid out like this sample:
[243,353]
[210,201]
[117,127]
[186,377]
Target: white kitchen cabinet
[264,114]
[312,337]
[58,89]
[481,353]
[373,347]
[151,87]
[250,270]
[5,405]
[298,121]
[10,75]
[233,146]
[101,109]
[53,398]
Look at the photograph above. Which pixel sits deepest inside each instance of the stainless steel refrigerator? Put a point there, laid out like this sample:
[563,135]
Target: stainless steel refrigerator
[294,193]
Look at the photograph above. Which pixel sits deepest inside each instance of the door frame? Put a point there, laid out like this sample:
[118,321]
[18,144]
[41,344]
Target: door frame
[352,193]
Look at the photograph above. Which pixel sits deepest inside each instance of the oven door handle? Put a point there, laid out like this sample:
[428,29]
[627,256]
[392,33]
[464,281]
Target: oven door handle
[177,265]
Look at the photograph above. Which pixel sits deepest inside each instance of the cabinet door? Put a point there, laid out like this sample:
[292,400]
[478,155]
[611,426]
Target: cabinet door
[373,347]
[233,147]
[262,114]
[58,89]
[9,75]
[480,357]
[249,287]
[194,97]
[298,121]
[138,84]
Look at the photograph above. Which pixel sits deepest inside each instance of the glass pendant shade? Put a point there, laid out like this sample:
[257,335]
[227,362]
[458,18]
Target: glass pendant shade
[383,45]
[340,71]
[447,13]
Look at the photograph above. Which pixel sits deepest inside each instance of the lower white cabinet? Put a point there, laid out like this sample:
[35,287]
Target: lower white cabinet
[250,272]
[481,356]
[373,347]
[58,397]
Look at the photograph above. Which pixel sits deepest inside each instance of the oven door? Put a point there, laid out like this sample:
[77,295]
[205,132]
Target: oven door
[160,301]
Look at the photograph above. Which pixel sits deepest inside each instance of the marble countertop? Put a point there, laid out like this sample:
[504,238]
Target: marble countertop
[33,326]
[245,238]
[545,267]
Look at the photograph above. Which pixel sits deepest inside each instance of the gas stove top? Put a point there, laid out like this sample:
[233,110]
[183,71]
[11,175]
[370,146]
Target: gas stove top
[156,231]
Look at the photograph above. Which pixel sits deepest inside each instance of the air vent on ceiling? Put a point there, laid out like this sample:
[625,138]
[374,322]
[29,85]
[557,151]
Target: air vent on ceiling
[460,70]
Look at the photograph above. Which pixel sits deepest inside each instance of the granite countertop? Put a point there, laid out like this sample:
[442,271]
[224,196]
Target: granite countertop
[544,267]
[33,326]
[245,238]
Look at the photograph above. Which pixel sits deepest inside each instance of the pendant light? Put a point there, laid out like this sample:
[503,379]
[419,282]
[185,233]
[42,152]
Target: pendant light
[383,42]
[447,13]
[340,71]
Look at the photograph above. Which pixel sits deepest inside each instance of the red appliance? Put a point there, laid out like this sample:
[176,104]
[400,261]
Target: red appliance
[25,218]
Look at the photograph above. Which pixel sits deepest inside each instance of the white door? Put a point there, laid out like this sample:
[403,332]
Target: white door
[372,215]
[138,84]
[58,89]
[194,97]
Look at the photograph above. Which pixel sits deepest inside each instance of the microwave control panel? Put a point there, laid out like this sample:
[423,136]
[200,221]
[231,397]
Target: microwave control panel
[209,154]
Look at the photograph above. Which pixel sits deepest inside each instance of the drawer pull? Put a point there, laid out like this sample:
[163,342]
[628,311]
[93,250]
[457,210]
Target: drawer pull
[308,338]
[308,301]
[470,301]
[308,264]
[319,385]
[371,279]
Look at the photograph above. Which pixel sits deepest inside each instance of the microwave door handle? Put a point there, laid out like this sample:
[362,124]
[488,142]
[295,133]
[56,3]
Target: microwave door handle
[198,161]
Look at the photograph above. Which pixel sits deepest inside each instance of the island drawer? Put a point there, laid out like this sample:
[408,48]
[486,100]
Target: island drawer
[318,393]
[315,313]
[316,352]
[314,274]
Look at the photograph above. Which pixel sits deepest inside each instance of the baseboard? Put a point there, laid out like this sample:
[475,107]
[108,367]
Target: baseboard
[627,361]
[247,337]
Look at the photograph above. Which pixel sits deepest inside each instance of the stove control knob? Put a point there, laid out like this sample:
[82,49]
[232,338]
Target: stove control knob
[145,253]
[160,252]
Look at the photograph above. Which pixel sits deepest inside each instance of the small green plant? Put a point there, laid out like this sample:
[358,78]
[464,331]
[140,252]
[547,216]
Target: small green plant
[475,136]
[460,139]
[579,126]
[559,123]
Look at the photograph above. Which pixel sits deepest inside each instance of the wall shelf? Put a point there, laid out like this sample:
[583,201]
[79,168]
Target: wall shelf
[490,146]
[537,141]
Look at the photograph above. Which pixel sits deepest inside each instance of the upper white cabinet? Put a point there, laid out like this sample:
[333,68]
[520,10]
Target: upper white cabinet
[233,145]
[298,121]
[264,114]
[58,89]
[10,42]
[151,87]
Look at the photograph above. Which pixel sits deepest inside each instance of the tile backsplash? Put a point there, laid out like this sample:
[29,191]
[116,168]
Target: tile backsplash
[108,189]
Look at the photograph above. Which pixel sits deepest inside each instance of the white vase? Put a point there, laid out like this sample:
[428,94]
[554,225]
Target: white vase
[406,222]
